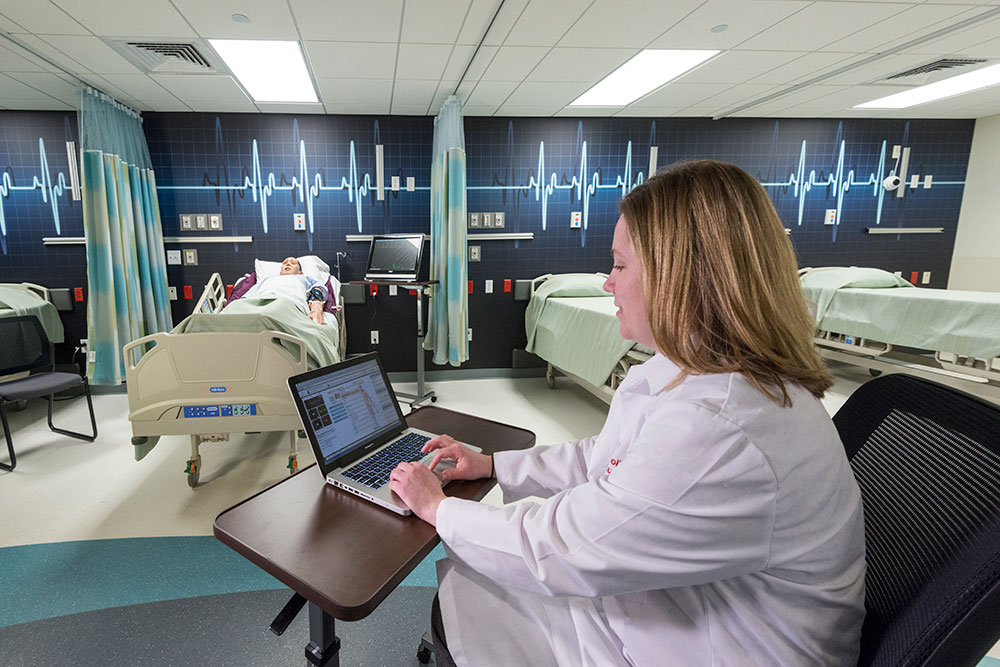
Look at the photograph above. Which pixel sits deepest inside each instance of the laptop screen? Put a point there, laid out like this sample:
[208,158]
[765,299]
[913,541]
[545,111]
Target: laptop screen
[396,256]
[348,405]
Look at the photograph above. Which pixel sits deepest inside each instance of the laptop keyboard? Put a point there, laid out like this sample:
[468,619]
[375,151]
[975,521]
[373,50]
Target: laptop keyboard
[374,470]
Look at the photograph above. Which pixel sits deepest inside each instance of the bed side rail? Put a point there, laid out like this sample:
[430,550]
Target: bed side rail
[536,282]
[213,297]
[31,288]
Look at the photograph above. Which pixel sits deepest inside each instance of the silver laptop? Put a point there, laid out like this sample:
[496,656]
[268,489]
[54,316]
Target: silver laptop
[395,257]
[356,429]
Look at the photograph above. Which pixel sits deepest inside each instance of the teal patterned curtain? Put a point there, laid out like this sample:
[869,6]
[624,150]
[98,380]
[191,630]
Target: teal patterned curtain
[446,332]
[126,266]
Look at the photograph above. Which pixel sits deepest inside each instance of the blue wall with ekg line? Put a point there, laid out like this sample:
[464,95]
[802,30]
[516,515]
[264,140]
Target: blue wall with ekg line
[258,170]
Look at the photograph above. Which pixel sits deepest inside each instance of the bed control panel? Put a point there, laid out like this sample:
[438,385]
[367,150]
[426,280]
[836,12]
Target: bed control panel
[234,410]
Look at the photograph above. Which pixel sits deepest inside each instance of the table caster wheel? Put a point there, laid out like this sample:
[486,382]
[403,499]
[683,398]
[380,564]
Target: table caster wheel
[293,465]
[192,473]
[423,656]
[434,399]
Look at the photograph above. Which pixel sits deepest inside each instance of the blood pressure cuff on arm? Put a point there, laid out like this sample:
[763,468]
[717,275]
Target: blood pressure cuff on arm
[317,293]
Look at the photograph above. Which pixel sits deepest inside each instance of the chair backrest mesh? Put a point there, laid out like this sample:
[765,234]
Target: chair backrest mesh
[927,460]
[23,345]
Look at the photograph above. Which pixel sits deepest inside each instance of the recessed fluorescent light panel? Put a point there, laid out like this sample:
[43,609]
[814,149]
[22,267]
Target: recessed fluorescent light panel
[956,85]
[271,71]
[647,71]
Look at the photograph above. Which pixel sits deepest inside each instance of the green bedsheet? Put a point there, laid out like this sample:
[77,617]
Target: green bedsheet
[961,322]
[578,334]
[14,302]
[272,314]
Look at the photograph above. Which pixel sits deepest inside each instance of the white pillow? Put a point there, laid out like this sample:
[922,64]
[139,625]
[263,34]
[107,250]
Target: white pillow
[311,266]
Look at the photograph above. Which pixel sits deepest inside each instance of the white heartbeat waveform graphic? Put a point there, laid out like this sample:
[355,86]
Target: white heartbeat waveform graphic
[583,183]
[43,182]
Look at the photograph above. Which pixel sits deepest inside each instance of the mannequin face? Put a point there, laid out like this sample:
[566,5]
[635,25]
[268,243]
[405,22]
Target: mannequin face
[625,282]
[290,266]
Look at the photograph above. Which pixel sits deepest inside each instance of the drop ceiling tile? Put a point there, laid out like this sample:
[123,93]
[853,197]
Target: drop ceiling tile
[37,104]
[739,66]
[458,60]
[681,94]
[579,64]
[352,59]
[807,67]
[649,112]
[535,110]
[348,20]
[409,109]
[733,97]
[822,23]
[42,16]
[988,49]
[484,11]
[490,93]
[837,99]
[52,85]
[148,18]
[542,94]
[478,110]
[582,112]
[356,109]
[8,25]
[438,23]
[958,42]
[879,69]
[626,23]
[16,59]
[445,89]
[543,22]
[422,61]
[900,28]
[92,53]
[352,92]
[200,90]
[272,107]
[413,93]
[213,19]
[43,48]
[513,63]
[694,30]
[14,89]
[483,58]
[145,89]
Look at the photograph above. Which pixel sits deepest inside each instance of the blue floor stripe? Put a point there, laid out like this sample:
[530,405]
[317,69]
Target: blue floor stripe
[46,580]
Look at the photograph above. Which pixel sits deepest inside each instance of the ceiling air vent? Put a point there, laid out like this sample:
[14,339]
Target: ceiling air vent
[166,57]
[925,73]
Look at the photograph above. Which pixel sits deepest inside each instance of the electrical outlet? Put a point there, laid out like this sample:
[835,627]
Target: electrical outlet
[474,220]
[831,217]
[187,222]
[393,290]
[191,256]
[215,221]
[575,219]
[474,253]
[374,337]
[201,221]
[173,293]
[300,222]
[470,334]
[173,257]
[83,345]
[498,219]
[489,287]
[925,278]
[487,220]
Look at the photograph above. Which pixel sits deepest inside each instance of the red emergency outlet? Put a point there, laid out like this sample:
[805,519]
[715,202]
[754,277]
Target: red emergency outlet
[470,287]
[506,285]
[913,277]
[229,291]
[78,293]
[373,290]
[188,293]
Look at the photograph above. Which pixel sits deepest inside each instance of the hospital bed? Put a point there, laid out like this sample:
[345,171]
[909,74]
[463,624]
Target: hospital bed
[30,299]
[570,323]
[217,373]
[875,320]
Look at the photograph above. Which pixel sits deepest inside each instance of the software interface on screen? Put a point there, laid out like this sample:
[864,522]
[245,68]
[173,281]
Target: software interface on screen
[348,408]
[394,255]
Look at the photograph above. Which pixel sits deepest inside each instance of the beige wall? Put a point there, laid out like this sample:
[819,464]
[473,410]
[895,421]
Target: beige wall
[975,262]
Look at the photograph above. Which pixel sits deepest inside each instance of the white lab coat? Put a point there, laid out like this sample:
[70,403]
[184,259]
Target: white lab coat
[705,525]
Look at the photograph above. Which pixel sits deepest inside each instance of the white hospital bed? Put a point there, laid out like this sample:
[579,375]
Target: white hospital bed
[30,299]
[948,336]
[208,384]
[570,323]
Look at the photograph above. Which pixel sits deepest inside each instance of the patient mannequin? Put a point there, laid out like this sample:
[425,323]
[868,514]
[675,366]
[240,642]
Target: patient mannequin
[315,294]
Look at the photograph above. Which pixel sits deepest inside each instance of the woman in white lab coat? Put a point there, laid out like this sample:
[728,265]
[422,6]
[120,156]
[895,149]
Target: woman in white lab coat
[715,519]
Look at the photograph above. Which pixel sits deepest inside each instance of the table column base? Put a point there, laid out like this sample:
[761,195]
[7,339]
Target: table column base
[324,645]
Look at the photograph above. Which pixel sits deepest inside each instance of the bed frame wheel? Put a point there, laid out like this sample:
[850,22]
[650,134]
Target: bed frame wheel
[193,472]
[550,379]
[293,465]
[423,656]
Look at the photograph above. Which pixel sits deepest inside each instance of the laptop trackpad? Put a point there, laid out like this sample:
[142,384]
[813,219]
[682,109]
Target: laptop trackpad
[444,464]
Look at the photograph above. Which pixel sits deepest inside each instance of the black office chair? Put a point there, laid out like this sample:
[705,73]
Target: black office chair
[927,459]
[25,347]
